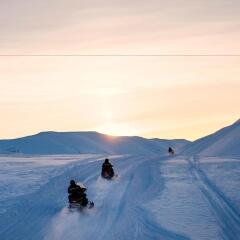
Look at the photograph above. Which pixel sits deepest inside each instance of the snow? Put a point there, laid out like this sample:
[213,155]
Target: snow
[192,195]
[154,197]
[225,142]
[87,142]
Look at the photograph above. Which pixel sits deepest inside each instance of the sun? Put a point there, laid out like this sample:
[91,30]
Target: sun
[117,129]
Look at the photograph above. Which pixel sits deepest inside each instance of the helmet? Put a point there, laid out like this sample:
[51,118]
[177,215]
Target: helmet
[106,160]
[72,182]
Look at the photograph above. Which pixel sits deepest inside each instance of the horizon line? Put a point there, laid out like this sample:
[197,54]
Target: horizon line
[91,131]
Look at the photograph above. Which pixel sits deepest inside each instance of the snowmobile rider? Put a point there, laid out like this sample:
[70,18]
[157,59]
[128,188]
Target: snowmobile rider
[107,169]
[77,194]
[171,151]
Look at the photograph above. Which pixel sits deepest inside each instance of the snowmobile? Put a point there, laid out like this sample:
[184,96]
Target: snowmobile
[171,151]
[107,175]
[78,205]
[107,170]
[78,198]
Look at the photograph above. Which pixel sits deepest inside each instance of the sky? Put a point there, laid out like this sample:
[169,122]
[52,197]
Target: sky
[151,96]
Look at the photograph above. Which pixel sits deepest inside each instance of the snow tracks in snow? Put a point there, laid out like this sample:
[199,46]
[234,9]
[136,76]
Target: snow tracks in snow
[225,213]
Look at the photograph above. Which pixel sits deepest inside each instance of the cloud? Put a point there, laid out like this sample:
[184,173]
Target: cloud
[118,26]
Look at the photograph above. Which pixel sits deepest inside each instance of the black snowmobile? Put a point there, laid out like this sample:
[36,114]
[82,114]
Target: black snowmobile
[171,151]
[107,170]
[77,196]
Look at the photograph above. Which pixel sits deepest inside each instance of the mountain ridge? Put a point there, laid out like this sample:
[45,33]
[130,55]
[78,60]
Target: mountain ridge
[52,142]
[224,142]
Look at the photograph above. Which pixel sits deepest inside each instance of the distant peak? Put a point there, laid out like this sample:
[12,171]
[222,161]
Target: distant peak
[69,132]
[46,132]
[237,122]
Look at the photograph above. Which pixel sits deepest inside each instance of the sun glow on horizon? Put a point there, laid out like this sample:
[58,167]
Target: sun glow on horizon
[117,129]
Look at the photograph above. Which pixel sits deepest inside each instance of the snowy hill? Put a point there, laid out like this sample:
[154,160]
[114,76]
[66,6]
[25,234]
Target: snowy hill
[153,197]
[225,142]
[87,142]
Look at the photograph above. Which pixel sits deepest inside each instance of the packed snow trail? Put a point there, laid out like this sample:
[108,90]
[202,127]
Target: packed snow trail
[153,197]
[117,207]
[226,214]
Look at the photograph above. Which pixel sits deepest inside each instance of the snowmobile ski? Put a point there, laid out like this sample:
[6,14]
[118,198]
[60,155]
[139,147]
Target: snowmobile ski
[76,205]
[110,178]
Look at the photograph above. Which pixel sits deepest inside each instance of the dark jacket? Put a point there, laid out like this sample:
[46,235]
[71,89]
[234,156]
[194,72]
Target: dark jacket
[75,190]
[170,150]
[106,167]
[107,170]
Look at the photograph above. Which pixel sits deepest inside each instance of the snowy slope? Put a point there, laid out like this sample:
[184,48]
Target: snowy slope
[177,144]
[153,198]
[225,142]
[86,142]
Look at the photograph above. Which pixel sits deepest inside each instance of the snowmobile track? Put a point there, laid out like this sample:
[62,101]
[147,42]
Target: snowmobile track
[225,213]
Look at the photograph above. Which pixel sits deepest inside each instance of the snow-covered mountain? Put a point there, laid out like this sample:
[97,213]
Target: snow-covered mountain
[152,197]
[225,142]
[87,142]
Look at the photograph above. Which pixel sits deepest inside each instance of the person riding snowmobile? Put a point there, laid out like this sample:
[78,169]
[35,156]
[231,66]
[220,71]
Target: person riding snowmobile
[171,151]
[107,169]
[77,194]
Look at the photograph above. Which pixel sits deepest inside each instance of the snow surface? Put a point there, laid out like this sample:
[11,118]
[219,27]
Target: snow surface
[225,142]
[154,197]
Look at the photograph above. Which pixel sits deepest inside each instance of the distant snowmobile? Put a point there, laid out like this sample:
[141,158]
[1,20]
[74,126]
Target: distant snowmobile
[107,170]
[77,197]
[171,151]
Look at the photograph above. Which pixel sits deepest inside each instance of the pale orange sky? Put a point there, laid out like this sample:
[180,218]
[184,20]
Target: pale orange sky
[165,97]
